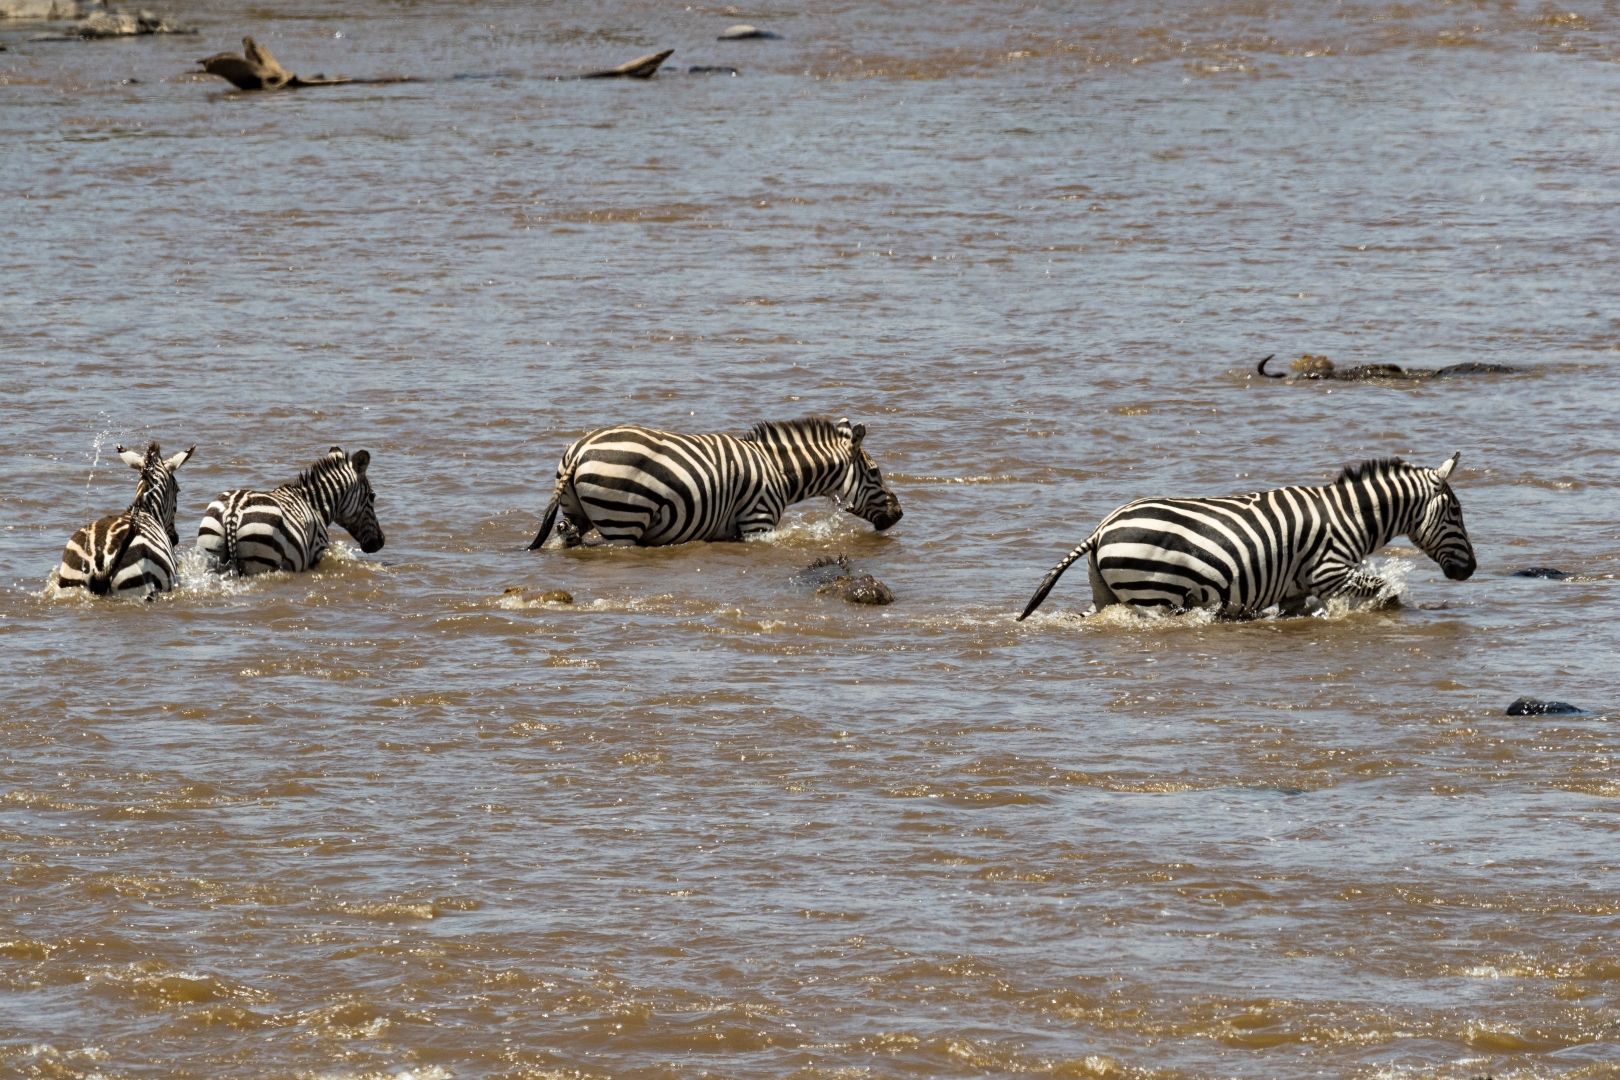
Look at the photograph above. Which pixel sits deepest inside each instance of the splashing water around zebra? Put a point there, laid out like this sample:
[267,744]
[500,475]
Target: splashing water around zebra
[651,488]
[132,552]
[256,532]
[1241,555]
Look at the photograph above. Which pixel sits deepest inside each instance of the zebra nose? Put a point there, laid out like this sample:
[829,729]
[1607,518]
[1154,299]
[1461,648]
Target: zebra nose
[1459,571]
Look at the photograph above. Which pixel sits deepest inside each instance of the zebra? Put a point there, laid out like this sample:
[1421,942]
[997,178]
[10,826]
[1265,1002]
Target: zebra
[255,532]
[132,552]
[651,488]
[1242,554]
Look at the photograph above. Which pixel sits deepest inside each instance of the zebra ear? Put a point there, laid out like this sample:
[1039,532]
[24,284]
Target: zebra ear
[180,458]
[337,450]
[857,433]
[131,458]
[1445,470]
[361,459]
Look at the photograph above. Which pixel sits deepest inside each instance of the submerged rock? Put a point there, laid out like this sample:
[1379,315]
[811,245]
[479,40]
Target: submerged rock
[642,67]
[1529,706]
[112,23]
[834,577]
[1317,366]
[1546,572]
[743,31]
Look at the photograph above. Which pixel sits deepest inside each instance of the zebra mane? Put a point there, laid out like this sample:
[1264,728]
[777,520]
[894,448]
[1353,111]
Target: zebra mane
[815,427]
[151,476]
[1366,469]
[327,465]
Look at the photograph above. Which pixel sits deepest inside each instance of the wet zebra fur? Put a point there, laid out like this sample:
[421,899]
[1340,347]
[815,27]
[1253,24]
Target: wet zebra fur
[1240,555]
[641,486]
[132,552]
[255,532]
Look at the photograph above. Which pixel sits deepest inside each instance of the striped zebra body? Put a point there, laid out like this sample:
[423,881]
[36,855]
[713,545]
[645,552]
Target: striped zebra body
[652,488]
[1244,554]
[132,552]
[256,532]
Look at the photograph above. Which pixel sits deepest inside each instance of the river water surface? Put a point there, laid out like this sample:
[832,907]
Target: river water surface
[385,820]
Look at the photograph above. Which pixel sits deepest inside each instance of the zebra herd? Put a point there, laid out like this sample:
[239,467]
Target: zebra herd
[1238,556]
[247,532]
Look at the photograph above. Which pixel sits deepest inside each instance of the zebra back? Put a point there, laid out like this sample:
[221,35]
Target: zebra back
[1242,554]
[132,551]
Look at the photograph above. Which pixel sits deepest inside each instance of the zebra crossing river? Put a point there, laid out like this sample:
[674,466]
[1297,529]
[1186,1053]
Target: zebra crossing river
[384,819]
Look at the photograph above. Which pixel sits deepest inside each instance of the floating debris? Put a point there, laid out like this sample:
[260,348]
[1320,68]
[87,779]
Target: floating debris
[256,69]
[642,67]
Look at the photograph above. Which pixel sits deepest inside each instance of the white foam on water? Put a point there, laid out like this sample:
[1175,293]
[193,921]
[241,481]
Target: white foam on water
[812,525]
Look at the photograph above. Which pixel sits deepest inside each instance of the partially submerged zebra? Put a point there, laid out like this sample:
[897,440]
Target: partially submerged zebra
[1240,555]
[255,532]
[132,552]
[640,486]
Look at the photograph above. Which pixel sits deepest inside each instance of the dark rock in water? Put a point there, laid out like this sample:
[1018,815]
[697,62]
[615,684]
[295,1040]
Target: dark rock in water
[701,69]
[1542,572]
[1529,706]
[112,24]
[743,31]
[642,67]
[835,577]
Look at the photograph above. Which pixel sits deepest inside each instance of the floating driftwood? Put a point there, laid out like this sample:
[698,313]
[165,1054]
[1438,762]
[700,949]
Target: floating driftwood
[642,67]
[1320,367]
[256,69]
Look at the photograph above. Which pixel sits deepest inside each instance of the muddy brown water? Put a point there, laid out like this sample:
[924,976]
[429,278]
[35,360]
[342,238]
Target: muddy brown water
[381,820]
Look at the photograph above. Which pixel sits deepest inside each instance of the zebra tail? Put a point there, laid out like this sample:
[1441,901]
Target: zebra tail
[232,557]
[1261,368]
[1056,572]
[549,520]
[100,582]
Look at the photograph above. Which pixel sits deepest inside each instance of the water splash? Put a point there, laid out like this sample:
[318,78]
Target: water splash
[107,430]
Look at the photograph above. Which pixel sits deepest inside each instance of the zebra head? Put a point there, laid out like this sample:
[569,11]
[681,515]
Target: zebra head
[1438,528]
[157,491]
[356,505]
[865,494]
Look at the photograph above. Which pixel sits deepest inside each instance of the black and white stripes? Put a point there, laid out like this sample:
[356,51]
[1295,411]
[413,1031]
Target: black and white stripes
[1243,554]
[132,552]
[641,486]
[254,532]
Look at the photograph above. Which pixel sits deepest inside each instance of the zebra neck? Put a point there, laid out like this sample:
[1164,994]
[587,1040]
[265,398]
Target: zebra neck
[322,495]
[1371,515]
[805,476]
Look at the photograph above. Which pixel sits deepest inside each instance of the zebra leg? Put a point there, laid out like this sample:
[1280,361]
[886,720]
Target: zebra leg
[1298,604]
[1101,595]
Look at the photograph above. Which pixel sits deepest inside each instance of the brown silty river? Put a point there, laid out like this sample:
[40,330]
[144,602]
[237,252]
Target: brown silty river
[384,820]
